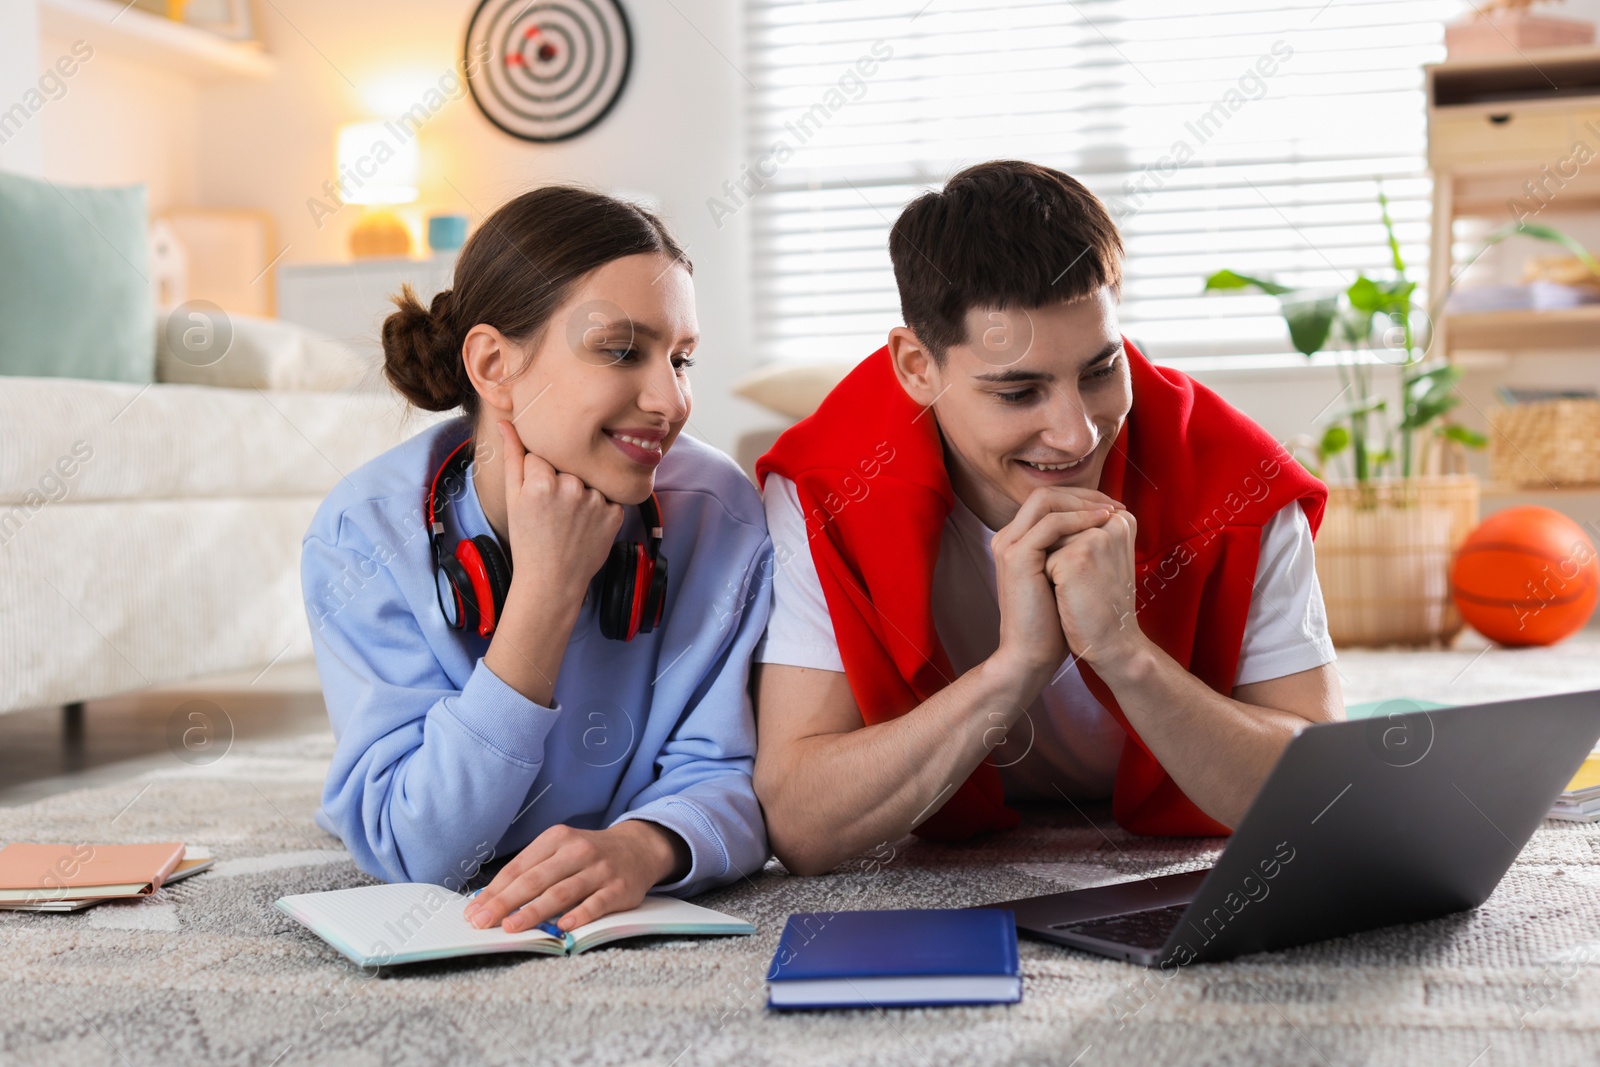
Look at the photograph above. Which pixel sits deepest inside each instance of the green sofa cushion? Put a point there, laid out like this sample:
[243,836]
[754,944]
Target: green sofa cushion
[75,299]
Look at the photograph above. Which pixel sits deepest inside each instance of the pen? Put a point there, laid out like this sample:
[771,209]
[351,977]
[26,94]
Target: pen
[548,927]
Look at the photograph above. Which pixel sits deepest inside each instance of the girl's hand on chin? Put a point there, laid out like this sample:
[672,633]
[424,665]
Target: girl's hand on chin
[561,530]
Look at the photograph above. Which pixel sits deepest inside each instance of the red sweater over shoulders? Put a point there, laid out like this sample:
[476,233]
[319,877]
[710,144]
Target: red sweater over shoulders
[1200,477]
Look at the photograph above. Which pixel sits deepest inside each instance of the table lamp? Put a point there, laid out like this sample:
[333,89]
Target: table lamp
[377,171]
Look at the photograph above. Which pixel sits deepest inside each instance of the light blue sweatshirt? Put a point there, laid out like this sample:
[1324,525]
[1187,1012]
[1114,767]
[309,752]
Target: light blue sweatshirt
[440,765]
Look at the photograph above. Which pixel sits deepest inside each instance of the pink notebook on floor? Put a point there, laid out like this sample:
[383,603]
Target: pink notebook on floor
[85,869]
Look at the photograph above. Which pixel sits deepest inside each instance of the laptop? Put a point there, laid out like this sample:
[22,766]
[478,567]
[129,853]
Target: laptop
[1397,818]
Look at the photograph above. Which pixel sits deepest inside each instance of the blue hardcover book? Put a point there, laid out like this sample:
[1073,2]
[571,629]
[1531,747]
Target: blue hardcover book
[854,959]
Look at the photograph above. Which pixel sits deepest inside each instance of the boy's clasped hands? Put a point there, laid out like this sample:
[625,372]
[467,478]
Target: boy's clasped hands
[1065,575]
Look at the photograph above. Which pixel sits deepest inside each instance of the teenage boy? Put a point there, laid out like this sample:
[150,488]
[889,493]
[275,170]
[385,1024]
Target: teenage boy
[1022,563]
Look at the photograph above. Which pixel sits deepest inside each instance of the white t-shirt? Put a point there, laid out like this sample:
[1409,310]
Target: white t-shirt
[1066,739]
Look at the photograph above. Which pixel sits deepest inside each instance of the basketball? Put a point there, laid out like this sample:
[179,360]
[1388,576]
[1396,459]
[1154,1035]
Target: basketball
[1526,576]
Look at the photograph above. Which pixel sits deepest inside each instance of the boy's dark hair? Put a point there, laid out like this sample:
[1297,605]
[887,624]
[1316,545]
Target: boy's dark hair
[1002,234]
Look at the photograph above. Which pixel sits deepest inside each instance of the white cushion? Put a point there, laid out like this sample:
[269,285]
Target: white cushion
[91,440]
[261,354]
[794,391]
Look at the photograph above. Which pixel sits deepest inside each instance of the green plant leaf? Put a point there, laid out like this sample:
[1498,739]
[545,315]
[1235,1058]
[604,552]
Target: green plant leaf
[1364,294]
[1362,407]
[1227,279]
[1462,435]
[1428,409]
[1381,298]
[1436,393]
[1430,394]
[1355,326]
[1335,439]
[1309,317]
[1310,320]
[1444,371]
[1388,229]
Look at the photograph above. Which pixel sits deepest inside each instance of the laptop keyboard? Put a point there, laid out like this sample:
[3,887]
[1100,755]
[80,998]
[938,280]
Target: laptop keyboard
[1142,929]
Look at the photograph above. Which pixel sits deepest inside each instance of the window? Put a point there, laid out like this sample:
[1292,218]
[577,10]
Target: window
[1251,135]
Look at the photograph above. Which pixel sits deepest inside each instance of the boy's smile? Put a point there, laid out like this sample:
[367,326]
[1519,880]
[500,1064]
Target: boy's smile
[1017,416]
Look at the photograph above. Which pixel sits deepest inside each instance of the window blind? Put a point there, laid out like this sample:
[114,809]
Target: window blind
[1250,135]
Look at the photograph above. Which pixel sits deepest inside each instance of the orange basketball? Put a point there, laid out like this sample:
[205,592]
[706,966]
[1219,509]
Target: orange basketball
[1526,576]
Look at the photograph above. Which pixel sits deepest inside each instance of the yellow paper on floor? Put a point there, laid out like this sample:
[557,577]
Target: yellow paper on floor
[1588,775]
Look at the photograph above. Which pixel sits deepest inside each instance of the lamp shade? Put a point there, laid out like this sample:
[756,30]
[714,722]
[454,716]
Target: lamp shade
[377,166]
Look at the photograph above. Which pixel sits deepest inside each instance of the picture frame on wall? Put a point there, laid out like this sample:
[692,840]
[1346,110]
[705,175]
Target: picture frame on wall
[227,18]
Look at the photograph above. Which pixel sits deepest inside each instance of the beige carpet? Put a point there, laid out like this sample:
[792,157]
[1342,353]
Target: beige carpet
[208,971]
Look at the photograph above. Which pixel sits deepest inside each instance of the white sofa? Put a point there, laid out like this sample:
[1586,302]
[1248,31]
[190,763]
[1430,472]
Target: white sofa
[151,534]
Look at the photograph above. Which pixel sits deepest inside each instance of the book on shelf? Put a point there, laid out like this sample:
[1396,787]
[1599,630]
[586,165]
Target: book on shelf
[1527,296]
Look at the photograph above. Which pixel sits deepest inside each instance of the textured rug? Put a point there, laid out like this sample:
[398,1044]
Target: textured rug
[208,971]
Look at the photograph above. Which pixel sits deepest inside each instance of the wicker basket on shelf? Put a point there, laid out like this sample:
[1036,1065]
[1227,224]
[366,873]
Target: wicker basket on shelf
[1383,558]
[1546,442]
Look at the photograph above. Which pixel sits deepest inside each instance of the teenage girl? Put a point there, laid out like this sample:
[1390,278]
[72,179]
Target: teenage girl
[534,622]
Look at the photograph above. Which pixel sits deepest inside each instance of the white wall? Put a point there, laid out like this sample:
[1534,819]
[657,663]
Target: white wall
[19,70]
[121,123]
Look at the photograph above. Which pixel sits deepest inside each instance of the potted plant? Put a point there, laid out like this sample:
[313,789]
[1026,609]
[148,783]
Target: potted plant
[1401,509]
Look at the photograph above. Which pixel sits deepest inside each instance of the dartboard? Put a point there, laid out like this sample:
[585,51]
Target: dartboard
[546,70]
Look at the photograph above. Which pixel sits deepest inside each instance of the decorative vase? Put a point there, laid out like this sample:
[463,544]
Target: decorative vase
[446,233]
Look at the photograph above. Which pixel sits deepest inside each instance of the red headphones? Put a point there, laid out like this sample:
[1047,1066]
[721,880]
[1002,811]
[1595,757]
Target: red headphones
[471,584]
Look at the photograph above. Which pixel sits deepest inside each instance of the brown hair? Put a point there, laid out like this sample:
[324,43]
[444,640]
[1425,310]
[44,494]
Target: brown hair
[520,265]
[999,235]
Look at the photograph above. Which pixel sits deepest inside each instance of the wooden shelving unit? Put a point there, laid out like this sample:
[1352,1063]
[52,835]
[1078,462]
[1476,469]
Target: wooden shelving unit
[145,38]
[1496,125]
[1528,331]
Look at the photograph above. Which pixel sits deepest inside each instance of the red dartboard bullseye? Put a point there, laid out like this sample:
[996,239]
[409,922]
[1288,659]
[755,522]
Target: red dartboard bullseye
[553,68]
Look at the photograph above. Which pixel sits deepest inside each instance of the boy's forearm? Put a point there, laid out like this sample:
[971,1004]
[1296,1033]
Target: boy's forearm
[841,793]
[1217,749]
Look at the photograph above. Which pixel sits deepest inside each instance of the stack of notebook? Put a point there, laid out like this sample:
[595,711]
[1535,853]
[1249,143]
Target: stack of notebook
[1581,801]
[69,877]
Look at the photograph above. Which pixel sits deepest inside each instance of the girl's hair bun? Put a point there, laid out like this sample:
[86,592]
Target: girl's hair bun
[421,353]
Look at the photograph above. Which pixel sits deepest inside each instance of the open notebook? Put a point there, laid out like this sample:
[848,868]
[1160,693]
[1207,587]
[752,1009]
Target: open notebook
[411,921]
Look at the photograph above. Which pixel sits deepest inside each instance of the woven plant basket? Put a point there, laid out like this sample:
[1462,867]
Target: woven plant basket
[1546,442]
[1383,558]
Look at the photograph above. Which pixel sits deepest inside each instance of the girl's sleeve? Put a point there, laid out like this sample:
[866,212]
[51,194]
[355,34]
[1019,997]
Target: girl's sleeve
[703,791]
[425,780]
